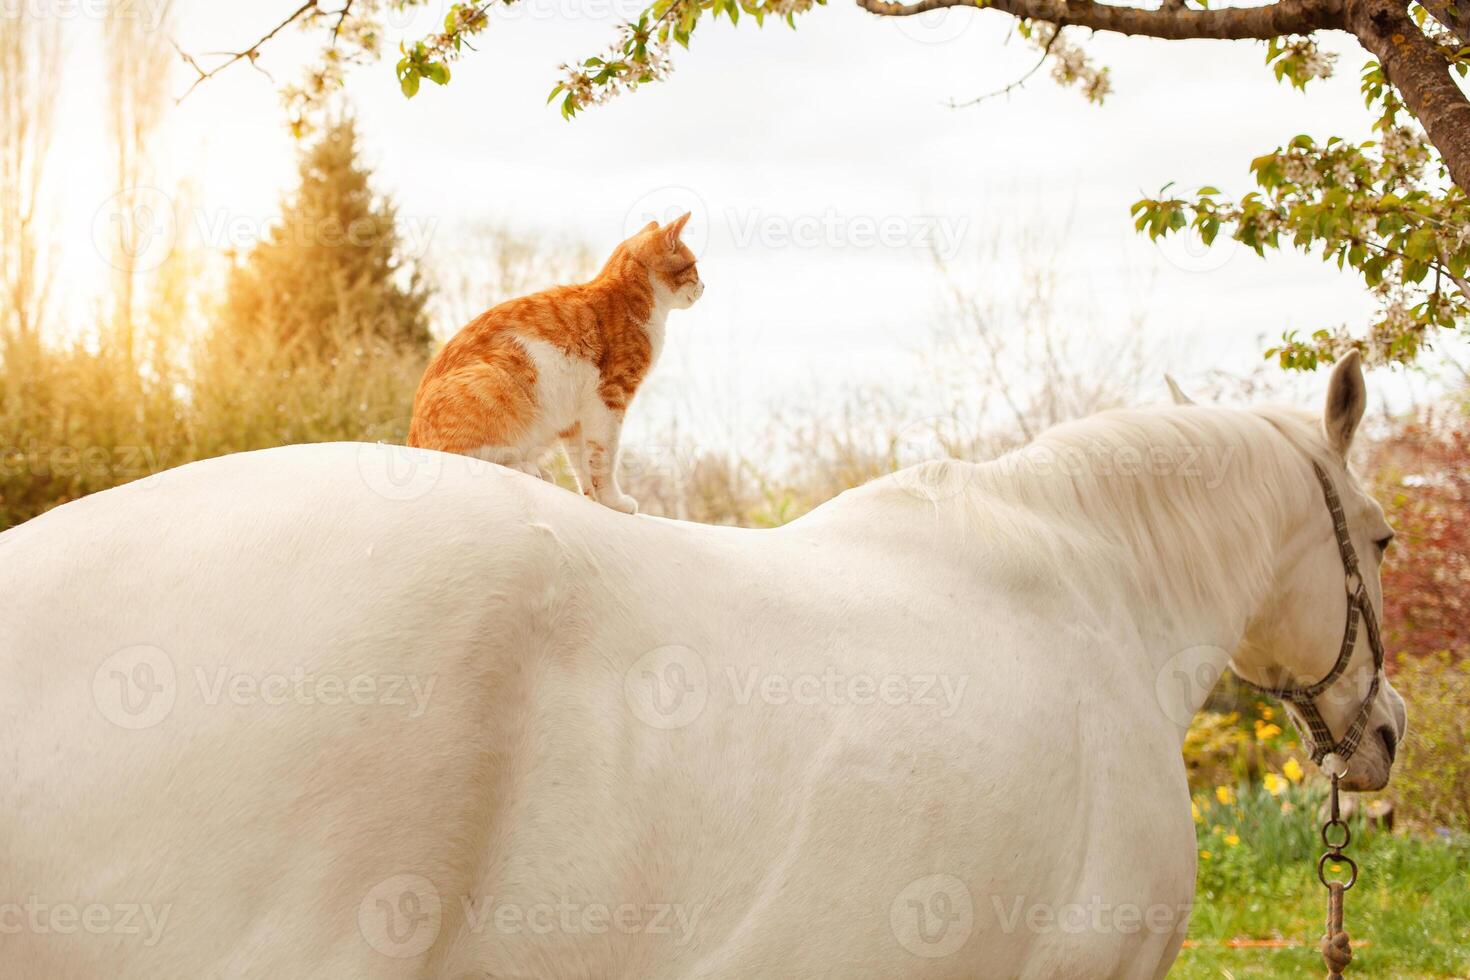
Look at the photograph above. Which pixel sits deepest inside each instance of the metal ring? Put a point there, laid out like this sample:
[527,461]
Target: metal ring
[1341,859]
[1347,834]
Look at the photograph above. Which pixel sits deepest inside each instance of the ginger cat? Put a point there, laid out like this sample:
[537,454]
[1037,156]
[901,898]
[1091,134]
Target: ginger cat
[560,364]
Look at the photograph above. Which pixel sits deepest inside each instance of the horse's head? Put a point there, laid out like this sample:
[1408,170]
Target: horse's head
[1313,642]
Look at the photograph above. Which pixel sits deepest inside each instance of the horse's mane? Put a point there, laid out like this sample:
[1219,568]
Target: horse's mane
[1199,497]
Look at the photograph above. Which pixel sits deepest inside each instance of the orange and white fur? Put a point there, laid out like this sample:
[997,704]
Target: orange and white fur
[562,364]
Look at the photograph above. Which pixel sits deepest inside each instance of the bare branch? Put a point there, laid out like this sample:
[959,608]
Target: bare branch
[253,52]
[1225,23]
[1018,83]
[341,17]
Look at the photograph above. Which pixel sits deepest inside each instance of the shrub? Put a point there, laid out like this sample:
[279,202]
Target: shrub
[1422,477]
[1432,779]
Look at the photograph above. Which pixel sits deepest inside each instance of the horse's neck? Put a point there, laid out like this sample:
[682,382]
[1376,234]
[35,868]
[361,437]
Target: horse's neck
[1187,580]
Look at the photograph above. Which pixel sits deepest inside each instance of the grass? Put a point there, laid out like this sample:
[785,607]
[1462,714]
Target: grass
[1409,914]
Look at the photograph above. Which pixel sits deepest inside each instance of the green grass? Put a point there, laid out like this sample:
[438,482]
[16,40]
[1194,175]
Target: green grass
[1409,914]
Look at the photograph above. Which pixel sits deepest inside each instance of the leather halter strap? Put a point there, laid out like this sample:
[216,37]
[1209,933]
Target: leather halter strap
[1359,606]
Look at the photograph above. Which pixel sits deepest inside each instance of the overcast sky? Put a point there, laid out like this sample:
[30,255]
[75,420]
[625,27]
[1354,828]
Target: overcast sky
[823,166]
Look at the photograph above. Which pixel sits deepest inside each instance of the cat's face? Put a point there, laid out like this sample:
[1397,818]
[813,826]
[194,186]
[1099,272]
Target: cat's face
[670,263]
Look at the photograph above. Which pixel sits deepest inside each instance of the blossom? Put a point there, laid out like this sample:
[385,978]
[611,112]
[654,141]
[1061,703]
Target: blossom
[1293,770]
[1232,839]
[1194,811]
[1225,795]
[1274,783]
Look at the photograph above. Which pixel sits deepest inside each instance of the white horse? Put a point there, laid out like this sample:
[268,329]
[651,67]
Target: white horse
[299,714]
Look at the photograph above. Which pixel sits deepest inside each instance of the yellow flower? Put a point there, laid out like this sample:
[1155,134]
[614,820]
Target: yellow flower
[1264,732]
[1232,839]
[1225,794]
[1266,712]
[1274,783]
[1194,810]
[1205,855]
[1293,770]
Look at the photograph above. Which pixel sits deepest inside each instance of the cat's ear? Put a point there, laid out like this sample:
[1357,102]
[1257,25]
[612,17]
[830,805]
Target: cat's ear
[651,226]
[674,228]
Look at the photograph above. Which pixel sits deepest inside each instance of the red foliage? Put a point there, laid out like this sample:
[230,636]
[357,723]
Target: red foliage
[1422,477]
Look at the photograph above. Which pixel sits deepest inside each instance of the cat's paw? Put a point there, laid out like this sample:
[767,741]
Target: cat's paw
[621,502]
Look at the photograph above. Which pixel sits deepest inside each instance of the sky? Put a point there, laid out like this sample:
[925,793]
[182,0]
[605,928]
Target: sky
[824,166]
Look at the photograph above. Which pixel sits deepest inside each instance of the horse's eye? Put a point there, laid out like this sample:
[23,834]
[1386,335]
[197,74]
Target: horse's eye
[1383,544]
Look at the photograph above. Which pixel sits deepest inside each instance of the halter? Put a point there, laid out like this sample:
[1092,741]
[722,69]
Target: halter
[1304,698]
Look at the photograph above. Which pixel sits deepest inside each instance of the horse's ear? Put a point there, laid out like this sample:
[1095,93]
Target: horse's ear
[1347,396]
[1176,392]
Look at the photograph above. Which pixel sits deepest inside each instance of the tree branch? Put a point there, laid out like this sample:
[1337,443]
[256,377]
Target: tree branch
[1226,23]
[1419,70]
[1051,42]
[1453,14]
[250,53]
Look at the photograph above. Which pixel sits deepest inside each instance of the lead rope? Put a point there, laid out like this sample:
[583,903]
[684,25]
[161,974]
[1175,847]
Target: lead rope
[1331,756]
[1337,951]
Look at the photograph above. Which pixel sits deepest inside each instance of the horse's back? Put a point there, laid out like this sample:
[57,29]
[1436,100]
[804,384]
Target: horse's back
[231,693]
